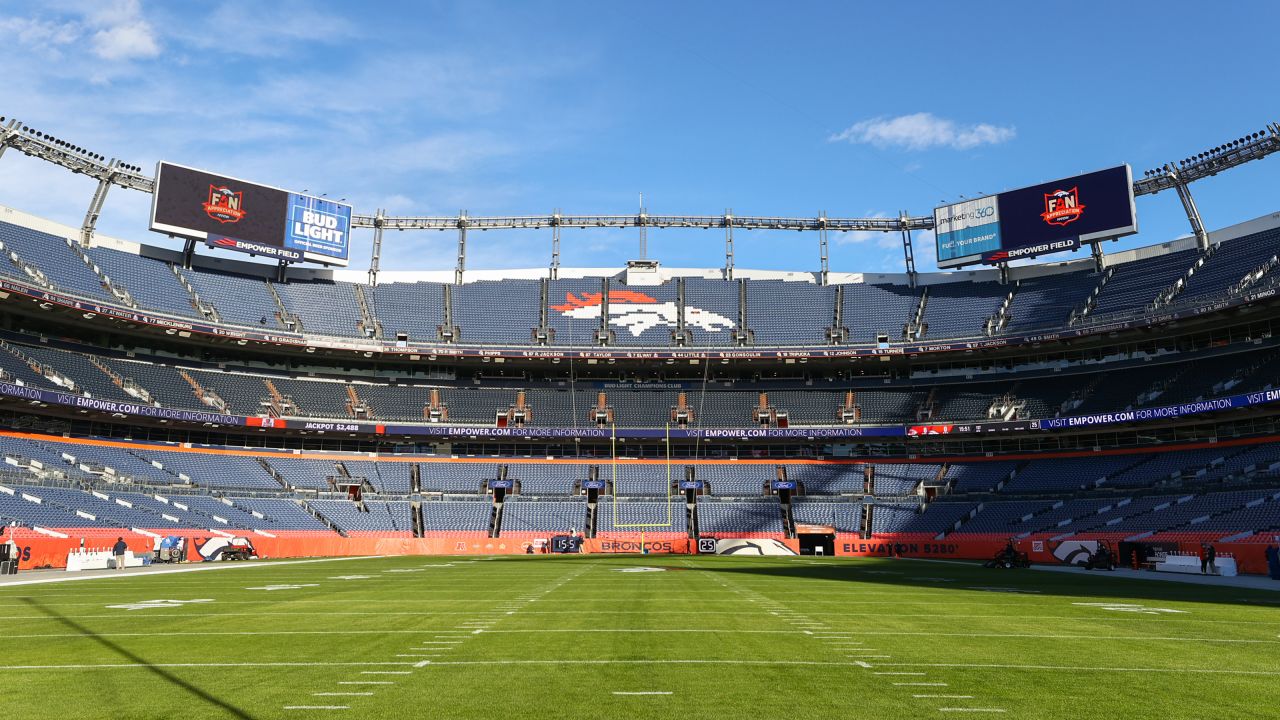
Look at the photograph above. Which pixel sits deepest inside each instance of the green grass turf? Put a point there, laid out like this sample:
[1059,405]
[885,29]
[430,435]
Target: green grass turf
[726,637]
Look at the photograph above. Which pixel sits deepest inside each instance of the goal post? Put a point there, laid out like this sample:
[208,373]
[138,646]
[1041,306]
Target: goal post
[670,523]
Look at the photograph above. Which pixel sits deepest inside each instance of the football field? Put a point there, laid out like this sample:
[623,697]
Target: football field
[635,637]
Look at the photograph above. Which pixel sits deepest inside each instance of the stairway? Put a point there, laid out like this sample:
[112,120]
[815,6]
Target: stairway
[41,369]
[281,404]
[356,407]
[127,384]
[916,326]
[207,397]
[1169,294]
[1080,313]
[118,291]
[495,519]
[206,309]
[275,475]
[286,318]
[369,324]
[1000,320]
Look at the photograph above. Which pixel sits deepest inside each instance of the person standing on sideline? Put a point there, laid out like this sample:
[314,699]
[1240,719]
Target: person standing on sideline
[118,550]
[1204,559]
[1273,562]
[1210,554]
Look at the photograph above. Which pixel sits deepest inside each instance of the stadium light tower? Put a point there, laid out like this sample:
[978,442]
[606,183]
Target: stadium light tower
[462,247]
[555,244]
[379,220]
[95,204]
[728,244]
[1189,205]
[908,253]
[822,245]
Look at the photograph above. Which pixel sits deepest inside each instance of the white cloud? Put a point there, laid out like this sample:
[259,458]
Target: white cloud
[921,131]
[267,30]
[114,31]
[127,41]
[35,33]
[120,31]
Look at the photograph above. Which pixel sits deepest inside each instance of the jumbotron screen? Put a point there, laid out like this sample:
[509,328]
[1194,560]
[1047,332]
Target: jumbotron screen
[1050,217]
[234,214]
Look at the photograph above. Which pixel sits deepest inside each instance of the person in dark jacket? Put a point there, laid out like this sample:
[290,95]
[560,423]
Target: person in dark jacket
[1210,554]
[118,550]
[1273,562]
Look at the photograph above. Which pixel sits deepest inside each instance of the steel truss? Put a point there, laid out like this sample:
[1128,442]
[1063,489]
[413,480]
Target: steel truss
[1176,176]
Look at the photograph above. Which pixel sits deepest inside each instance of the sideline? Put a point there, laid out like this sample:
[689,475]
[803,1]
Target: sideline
[64,576]
[1239,582]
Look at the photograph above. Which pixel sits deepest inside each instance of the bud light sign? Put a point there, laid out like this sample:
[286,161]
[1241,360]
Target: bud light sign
[318,227]
[234,214]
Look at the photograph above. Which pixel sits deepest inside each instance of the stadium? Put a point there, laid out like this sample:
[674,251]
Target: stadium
[245,480]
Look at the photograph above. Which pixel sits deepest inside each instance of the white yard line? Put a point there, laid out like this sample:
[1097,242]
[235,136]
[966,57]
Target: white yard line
[1001,666]
[70,577]
[133,666]
[570,662]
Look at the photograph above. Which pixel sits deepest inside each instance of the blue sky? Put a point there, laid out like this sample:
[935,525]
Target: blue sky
[856,109]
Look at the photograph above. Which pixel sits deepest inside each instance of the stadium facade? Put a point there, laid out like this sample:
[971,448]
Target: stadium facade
[1128,397]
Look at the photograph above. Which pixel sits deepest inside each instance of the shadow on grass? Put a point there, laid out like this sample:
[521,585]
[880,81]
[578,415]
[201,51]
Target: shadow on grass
[139,660]
[960,576]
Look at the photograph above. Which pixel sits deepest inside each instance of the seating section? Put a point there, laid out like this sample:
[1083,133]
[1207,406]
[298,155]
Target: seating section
[619,515]
[151,283]
[550,516]
[238,299]
[843,516]
[118,487]
[1047,301]
[961,309]
[370,516]
[1134,286]
[325,308]
[54,257]
[457,516]
[778,312]
[1033,394]
[738,516]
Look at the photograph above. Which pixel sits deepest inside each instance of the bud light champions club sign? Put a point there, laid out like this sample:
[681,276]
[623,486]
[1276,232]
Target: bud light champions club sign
[234,214]
[1046,218]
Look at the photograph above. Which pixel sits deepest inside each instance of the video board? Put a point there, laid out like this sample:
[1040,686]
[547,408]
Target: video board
[238,215]
[1050,217]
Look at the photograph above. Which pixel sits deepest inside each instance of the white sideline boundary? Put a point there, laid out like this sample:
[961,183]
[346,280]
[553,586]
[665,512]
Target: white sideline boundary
[107,574]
